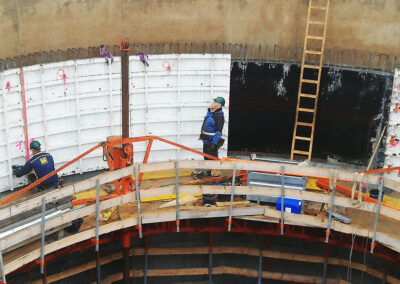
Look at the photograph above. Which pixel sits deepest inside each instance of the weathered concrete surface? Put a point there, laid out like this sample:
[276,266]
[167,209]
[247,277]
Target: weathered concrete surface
[35,25]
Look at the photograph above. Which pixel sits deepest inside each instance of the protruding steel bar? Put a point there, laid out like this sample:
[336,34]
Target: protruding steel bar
[177,194]
[97,231]
[232,194]
[331,203]
[138,201]
[282,198]
[378,209]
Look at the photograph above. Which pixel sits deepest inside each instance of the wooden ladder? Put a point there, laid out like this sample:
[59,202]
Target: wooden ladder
[310,66]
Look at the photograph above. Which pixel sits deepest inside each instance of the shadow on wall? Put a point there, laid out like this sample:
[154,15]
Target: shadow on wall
[353,105]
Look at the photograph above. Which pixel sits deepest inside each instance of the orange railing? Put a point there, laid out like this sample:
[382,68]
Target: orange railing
[150,139]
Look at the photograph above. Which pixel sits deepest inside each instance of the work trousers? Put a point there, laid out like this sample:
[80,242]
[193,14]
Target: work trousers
[209,198]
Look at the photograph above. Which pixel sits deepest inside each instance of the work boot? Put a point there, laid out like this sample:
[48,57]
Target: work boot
[209,199]
[215,173]
[197,172]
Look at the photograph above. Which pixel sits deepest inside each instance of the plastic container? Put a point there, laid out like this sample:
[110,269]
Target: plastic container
[290,205]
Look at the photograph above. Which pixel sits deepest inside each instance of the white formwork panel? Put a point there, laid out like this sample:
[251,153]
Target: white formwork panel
[73,105]
[392,151]
[170,99]
[12,137]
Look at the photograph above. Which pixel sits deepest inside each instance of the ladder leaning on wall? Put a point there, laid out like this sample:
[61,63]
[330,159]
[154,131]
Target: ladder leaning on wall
[311,67]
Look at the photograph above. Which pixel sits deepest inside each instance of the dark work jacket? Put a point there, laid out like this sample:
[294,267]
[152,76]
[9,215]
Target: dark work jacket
[213,124]
[42,164]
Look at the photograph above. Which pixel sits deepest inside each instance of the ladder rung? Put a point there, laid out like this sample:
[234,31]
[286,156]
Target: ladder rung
[306,109]
[316,23]
[311,66]
[300,152]
[318,7]
[305,124]
[309,81]
[308,96]
[315,37]
[303,138]
[313,52]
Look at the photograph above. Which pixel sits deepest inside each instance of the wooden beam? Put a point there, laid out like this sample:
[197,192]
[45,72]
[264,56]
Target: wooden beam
[203,213]
[8,211]
[218,250]
[35,230]
[223,270]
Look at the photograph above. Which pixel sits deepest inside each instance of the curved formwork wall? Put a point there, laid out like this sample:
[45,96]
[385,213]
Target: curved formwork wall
[73,105]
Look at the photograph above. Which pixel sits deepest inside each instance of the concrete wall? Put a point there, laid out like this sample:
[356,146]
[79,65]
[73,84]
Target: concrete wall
[35,25]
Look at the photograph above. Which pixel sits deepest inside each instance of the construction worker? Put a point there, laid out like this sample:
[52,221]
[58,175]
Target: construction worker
[211,133]
[40,164]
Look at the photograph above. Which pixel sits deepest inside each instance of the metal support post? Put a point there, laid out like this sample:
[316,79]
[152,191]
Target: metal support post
[282,198]
[232,194]
[332,185]
[3,275]
[378,209]
[210,252]
[260,257]
[97,230]
[138,202]
[126,245]
[124,47]
[325,271]
[146,259]
[43,229]
[177,194]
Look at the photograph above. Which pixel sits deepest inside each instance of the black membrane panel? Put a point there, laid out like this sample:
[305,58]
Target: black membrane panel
[352,109]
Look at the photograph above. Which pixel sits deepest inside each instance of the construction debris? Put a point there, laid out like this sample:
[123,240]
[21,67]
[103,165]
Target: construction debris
[188,199]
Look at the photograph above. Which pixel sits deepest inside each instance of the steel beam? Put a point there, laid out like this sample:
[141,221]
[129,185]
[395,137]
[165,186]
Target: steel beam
[124,47]
[282,198]
[177,194]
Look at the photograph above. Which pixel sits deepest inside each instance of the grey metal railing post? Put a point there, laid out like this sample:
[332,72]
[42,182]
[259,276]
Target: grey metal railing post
[232,194]
[378,209]
[177,194]
[282,198]
[139,217]
[97,230]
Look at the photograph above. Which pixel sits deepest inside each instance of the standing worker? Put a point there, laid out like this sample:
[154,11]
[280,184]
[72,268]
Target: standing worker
[40,164]
[211,133]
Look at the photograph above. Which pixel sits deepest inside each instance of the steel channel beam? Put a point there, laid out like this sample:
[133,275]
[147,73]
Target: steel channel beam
[125,90]
[260,257]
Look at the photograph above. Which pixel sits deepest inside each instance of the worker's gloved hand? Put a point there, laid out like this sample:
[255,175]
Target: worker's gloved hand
[212,148]
[15,168]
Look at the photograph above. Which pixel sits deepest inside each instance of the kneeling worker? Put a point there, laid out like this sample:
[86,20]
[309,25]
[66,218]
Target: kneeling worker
[41,164]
